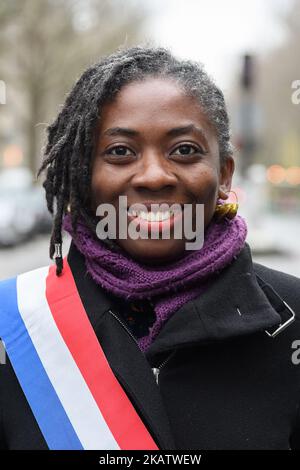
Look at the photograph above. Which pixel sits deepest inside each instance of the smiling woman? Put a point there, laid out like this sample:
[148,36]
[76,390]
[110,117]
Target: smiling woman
[147,342]
[146,110]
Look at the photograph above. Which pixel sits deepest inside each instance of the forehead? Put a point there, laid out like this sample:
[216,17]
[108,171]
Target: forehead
[157,102]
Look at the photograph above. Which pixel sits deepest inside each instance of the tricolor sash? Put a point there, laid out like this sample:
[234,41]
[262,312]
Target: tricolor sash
[74,395]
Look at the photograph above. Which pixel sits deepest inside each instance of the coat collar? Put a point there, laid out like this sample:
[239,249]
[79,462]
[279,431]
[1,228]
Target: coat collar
[234,305]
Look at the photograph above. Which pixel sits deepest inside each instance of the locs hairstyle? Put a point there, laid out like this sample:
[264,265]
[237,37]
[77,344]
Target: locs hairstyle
[68,153]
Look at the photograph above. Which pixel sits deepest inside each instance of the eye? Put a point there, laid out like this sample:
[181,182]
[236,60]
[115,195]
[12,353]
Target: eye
[185,150]
[120,151]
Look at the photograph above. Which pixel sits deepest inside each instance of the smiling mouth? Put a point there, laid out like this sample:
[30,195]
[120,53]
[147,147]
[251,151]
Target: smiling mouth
[156,221]
[155,211]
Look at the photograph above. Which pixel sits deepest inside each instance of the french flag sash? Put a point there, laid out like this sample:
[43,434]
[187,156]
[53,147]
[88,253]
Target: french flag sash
[74,395]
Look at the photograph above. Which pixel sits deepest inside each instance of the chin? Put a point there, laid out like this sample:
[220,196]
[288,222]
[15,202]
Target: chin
[154,252]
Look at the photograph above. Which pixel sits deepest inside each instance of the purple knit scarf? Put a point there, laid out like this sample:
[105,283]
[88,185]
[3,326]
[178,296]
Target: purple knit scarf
[169,286]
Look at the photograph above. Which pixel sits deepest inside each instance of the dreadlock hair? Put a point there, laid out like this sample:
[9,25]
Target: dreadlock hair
[71,137]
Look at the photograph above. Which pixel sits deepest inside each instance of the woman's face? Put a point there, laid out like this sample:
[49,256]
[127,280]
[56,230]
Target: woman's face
[141,153]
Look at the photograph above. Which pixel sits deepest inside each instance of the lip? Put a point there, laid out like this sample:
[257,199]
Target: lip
[148,204]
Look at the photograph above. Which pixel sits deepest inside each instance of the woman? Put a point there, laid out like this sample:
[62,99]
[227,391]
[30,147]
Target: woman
[141,343]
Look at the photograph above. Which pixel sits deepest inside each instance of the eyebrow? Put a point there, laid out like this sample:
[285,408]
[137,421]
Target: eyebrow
[174,132]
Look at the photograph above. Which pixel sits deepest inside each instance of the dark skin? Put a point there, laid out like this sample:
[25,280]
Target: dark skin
[154,166]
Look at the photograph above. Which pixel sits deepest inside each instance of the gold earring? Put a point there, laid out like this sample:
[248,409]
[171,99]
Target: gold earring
[228,210]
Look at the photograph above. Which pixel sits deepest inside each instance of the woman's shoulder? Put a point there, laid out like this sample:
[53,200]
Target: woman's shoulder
[6,283]
[19,290]
[286,285]
[281,279]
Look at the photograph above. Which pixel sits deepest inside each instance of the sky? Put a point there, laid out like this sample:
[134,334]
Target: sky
[218,32]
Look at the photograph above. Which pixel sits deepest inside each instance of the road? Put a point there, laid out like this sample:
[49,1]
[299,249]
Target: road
[282,232]
[30,255]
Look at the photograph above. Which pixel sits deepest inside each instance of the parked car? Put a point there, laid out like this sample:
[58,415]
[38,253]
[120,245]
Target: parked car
[23,209]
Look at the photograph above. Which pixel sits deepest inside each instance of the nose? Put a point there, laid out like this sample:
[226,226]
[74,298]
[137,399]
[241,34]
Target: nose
[154,173]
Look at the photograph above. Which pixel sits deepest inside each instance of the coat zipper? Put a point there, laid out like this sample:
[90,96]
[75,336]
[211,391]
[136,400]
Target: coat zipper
[156,370]
[125,328]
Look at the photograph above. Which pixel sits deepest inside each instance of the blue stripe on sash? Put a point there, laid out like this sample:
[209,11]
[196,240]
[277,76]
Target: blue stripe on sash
[41,396]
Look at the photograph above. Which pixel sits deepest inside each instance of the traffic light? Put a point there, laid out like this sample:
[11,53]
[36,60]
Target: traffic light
[247,72]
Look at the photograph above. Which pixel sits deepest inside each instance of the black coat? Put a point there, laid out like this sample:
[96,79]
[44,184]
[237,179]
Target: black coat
[223,383]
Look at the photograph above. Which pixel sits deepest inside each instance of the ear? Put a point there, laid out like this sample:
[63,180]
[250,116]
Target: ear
[226,173]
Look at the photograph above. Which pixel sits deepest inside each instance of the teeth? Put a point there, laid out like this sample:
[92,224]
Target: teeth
[152,216]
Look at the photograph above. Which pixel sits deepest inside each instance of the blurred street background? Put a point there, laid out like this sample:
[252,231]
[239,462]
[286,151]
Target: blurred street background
[250,47]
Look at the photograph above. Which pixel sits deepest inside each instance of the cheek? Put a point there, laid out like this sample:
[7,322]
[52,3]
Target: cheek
[96,187]
[204,185]
[204,188]
[103,184]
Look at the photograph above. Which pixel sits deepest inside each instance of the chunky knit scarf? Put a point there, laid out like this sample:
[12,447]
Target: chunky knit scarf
[169,286]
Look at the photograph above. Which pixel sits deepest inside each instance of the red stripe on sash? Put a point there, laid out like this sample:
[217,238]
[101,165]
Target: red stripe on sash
[70,316]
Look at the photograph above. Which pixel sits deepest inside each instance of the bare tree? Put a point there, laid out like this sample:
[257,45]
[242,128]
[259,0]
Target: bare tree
[45,45]
[278,70]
